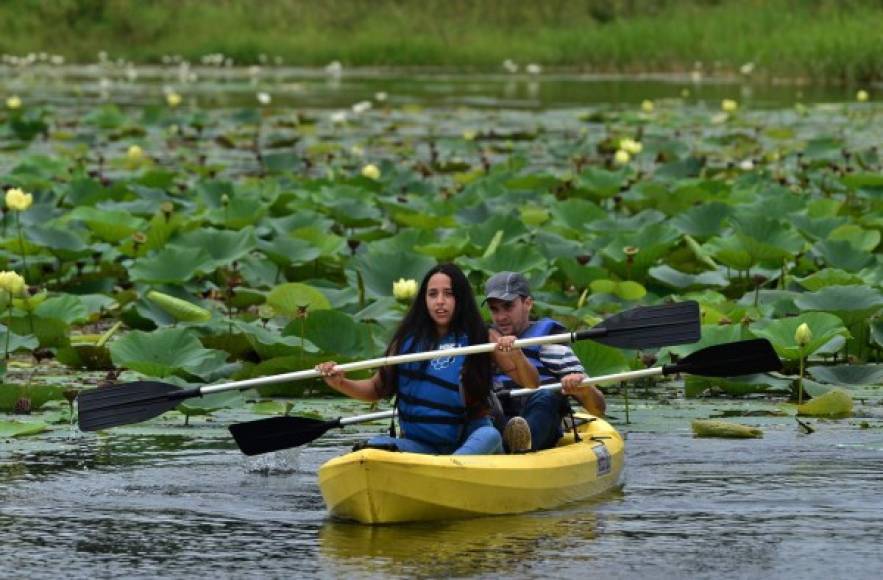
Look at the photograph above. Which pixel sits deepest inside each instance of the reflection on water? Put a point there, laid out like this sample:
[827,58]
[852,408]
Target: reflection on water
[484,545]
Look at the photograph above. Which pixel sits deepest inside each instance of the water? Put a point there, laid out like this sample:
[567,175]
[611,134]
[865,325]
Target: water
[147,505]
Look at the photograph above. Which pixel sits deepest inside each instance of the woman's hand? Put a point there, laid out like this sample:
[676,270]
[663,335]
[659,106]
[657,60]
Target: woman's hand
[334,378]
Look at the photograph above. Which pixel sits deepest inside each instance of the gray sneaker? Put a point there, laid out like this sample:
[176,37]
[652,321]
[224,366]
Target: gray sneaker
[516,435]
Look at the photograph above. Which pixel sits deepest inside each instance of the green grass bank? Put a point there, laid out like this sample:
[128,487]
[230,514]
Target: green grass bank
[838,41]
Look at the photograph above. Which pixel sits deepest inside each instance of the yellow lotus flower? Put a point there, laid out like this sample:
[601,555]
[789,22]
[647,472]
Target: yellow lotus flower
[371,171]
[404,289]
[630,146]
[621,157]
[729,105]
[860,96]
[135,154]
[469,135]
[12,282]
[18,200]
[13,102]
[647,106]
[803,335]
[173,99]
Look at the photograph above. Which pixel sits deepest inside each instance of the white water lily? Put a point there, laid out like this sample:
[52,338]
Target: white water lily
[403,289]
[533,69]
[334,68]
[380,96]
[338,117]
[371,171]
[264,98]
[747,68]
[746,165]
[510,66]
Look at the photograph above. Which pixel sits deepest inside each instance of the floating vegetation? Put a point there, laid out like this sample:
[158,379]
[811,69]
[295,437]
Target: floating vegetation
[724,429]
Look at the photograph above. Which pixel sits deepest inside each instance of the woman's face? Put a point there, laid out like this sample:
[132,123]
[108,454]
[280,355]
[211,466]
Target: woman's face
[440,301]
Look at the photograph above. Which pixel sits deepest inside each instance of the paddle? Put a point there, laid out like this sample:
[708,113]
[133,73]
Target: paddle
[641,327]
[732,359]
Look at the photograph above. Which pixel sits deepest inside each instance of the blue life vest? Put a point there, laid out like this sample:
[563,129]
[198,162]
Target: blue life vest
[545,326]
[430,400]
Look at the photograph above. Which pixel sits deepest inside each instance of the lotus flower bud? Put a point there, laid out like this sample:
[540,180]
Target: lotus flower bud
[803,335]
[403,289]
[729,105]
[621,157]
[14,102]
[861,96]
[173,99]
[647,106]
[12,282]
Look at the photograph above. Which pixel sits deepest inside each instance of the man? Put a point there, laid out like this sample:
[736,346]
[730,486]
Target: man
[534,421]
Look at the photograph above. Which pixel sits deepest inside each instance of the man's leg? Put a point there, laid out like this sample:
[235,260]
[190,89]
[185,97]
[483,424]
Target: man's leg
[541,413]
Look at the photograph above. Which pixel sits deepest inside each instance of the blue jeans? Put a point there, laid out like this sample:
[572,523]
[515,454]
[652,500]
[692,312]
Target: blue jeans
[542,413]
[481,439]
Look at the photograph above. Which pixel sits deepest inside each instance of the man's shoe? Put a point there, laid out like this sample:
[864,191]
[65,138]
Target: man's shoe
[516,435]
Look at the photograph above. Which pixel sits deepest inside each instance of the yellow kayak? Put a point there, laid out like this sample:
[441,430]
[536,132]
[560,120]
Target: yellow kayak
[373,486]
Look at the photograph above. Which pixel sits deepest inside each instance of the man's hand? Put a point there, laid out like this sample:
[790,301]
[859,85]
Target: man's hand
[589,396]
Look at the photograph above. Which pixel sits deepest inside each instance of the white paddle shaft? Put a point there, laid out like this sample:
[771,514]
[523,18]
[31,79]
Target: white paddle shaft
[385,361]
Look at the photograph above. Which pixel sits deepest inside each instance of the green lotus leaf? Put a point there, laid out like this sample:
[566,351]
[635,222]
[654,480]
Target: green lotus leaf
[21,429]
[285,251]
[836,403]
[165,352]
[350,206]
[50,332]
[578,275]
[482,233]
[637,224]
[780,333]
[827,148]
[272,407]
[335,332]
[180,309]
[576,214]
[208,404]
[328,244]
[842,254]
[828,277]
[224,246]
[862,239]
[447,250]
[816,228]
[509,257]
[422,221]
[171,265]
[712,334]
[877,331]
[288,364]
[534,216]
[106,117]
[16,341]
[626,289]
[871,374]
[39,395]
[681,169]
[380,270]
[702,221]
[67,307]
[850,303]
[681,280]
[295,299]
[110,226]
[695,386]
[599,359]
[730,251]
[66,241]
[601,183]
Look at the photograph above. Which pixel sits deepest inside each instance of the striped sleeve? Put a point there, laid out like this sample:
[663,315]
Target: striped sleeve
[560,359]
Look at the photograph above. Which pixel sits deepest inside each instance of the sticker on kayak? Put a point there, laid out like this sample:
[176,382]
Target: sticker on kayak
[603,459]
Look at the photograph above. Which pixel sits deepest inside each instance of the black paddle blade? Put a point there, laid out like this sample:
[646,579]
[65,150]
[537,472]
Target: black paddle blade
[116,405]
[276,433]
[649,327]
[729,360]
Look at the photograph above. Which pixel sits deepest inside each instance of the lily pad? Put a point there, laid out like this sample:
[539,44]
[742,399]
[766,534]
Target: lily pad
[871,374]
[836,403]
[780,333]
[165,352]
[21,429]
[295,299]
[850,303]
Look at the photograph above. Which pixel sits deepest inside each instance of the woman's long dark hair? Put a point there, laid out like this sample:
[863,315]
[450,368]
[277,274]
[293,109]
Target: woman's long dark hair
[466,321]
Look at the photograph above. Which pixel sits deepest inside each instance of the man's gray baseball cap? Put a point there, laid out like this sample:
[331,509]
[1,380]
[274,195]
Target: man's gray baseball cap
[506,286]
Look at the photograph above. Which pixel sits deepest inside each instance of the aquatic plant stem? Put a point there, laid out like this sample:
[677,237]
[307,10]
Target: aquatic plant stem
[8,331]
[21,243]
[800,382]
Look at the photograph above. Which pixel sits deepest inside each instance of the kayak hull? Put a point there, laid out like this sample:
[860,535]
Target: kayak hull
[372,486]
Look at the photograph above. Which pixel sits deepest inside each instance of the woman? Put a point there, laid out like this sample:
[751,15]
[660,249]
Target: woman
[442,403]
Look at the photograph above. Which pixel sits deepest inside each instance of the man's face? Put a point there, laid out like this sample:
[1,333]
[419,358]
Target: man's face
[511,316]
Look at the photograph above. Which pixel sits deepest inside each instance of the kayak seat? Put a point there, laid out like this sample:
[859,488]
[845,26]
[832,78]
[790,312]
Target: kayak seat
[367,445]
